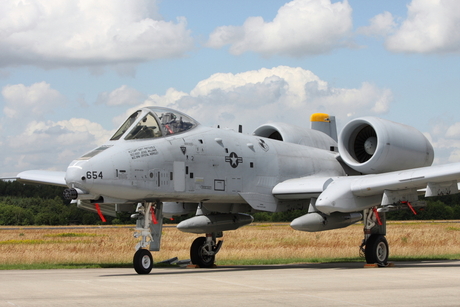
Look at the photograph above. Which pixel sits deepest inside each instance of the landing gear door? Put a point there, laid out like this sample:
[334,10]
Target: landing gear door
[179,176]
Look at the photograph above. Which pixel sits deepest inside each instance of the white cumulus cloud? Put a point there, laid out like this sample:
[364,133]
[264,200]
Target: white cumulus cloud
[301,27]
[380,25]
[445,139]
[124,95]
[54,33]
[26,101]
[52,145]
[278,94]
[430,27]
[30,141]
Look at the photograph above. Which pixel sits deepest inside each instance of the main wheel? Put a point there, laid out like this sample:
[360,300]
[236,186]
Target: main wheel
[377,250]
[143,261]
[202,254]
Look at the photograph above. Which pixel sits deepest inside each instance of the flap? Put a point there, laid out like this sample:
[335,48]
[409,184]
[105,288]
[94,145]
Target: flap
[301,188]
[263,202]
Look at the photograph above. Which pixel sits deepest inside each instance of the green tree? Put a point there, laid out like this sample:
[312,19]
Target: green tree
[14,215]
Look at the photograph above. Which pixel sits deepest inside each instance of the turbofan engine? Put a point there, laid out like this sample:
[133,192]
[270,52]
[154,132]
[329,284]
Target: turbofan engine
[373,145]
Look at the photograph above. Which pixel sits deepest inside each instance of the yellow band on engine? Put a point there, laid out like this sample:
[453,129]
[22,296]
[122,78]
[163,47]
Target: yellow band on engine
[320,117]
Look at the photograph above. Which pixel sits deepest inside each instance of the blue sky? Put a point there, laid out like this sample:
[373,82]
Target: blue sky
[71,71]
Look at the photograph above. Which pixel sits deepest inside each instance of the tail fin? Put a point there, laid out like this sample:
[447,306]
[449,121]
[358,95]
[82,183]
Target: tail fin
[324,123]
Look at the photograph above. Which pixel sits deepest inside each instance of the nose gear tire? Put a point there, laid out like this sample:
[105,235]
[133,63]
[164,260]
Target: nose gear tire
[143,261]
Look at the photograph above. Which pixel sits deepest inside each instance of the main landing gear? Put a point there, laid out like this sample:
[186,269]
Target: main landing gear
[375,246]
[149,225]
[204,249]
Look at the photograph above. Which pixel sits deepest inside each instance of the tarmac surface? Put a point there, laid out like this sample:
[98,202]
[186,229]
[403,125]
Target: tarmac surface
[424,283]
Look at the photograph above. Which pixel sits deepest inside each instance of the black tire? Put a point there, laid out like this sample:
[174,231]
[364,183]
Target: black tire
[377,250]
[197,255]
[143,261]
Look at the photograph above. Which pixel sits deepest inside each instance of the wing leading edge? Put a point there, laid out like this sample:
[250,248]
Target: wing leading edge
[43,177]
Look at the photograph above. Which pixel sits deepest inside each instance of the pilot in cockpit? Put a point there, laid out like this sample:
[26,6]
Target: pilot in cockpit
[168,121]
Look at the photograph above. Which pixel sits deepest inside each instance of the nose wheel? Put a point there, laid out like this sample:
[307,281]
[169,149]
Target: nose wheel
[143,261]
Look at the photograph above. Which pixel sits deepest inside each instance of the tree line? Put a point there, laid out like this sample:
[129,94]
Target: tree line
[25,204]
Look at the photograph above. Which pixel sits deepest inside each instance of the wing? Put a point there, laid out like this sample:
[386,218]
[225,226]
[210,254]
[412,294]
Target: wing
[356,193]
[42,177]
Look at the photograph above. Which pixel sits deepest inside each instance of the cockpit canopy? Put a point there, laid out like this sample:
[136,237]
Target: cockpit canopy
[154,122]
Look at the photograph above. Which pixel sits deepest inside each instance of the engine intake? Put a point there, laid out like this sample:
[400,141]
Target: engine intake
[373,145]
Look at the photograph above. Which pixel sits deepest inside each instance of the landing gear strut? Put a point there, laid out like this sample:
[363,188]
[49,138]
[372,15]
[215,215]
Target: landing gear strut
[204,249]
[149,224]
[375,246]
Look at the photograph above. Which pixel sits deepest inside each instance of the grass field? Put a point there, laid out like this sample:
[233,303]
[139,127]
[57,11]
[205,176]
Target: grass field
[255,244]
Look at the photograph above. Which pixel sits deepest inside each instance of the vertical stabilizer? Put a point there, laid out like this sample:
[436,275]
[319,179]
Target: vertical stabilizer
[324,123]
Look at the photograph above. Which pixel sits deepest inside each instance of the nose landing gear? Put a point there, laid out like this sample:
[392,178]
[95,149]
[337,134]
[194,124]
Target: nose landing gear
[149,225]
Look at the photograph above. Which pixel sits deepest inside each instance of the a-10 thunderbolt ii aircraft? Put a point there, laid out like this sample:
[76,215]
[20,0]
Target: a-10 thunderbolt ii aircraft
[161,162]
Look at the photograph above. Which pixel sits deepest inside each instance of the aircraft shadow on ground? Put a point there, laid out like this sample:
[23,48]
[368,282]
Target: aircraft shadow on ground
[319,266]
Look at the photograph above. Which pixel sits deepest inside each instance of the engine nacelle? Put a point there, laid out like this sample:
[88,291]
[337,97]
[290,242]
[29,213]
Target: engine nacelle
[297,135]
[373,145]
[314,221]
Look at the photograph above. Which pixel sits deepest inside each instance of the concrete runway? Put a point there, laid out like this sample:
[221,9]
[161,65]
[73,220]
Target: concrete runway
[435,283]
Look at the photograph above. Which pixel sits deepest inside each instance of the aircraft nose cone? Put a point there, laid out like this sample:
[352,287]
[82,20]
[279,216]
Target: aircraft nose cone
[75,174]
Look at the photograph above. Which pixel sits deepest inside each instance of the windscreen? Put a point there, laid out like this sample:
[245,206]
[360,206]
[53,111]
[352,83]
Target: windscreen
[125,126]
[146,128]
